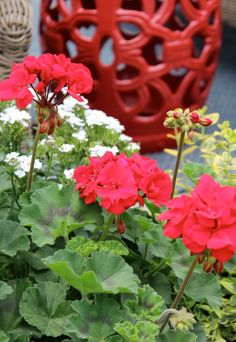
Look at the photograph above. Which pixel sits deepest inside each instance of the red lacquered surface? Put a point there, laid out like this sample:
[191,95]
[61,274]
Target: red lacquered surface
[146,56]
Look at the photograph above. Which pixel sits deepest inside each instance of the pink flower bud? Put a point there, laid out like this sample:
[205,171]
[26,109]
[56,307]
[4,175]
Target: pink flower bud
[205,122]
[218,266]
[121,227]
[195,117]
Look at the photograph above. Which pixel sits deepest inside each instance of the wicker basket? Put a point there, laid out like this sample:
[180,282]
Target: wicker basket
[229,11]
[15,33]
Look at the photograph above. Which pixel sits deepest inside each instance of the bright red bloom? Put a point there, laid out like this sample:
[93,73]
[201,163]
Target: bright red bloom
[141,166]
[157,187]
[116,187]
[45,76]
[118,180]
[206,219]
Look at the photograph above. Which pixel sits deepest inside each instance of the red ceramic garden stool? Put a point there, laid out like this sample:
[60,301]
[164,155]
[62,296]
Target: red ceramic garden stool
[146,56]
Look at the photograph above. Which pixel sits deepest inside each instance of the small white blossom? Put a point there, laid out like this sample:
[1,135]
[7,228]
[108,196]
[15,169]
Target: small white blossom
[99,150]
[133,147]
[12,114]
[99,118]
[21,164]
[47,141]
[125,138]
[73,121]
[66,148]
[81,135]
[69,173]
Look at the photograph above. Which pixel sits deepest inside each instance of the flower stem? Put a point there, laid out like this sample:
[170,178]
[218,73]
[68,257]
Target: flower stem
[181,291]
[107,228]
[31,171]
[177,163]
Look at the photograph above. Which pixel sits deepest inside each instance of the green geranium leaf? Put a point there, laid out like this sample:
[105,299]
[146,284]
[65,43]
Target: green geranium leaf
[3,337]
[5,290]
[53,213]
[160,283]
[5,181]
[113,246]
[142,331]
[86,246]
[103,272]
[181,259]
[204,286]
[13,238]
[44,306]
[177,336]
[4,205]
[11,319]
[146,305]
[94,321]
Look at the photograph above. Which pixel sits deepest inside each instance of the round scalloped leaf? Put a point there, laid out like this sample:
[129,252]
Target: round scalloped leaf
[103,272]
[53,213]
[147,304]
[177,336]
[13,238]
[92,319]
[44,306]
[142,331]
[5,290]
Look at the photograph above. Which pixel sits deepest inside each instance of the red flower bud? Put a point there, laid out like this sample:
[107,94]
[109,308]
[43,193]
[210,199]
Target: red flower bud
[121,227]
[205,122]
[176,115]
[59,121]
[195,117]
[218,266]
[40,117]
[200,258]
[44,127]
[208,266]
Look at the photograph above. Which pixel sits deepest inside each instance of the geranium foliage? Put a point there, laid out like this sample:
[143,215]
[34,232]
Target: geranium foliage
[96,243]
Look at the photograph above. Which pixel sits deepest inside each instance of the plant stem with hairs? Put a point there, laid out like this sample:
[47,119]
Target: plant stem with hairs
[181,291]
[177,163]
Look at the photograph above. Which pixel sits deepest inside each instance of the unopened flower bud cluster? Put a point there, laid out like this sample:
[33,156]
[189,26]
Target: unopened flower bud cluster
[186,120]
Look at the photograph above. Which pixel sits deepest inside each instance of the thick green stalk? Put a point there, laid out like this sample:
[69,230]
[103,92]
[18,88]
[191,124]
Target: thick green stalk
[33,157]
[181,291]
[177,163]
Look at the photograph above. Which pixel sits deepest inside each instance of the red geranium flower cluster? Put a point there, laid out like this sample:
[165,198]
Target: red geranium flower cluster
[42,79]
[121,182]
[206,221]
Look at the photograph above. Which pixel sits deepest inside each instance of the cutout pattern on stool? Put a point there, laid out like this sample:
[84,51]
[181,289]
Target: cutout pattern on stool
[146,56]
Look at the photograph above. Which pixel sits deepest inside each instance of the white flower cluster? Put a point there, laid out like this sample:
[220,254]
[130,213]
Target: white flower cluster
[21,164]
[66,111]
[69,173]
[12,114]
[95,117]
[133,146]
[66,148]
[81,135]
[99,150]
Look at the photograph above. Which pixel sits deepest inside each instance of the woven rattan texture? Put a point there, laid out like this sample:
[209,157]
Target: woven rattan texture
[229,11]
[15,32]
